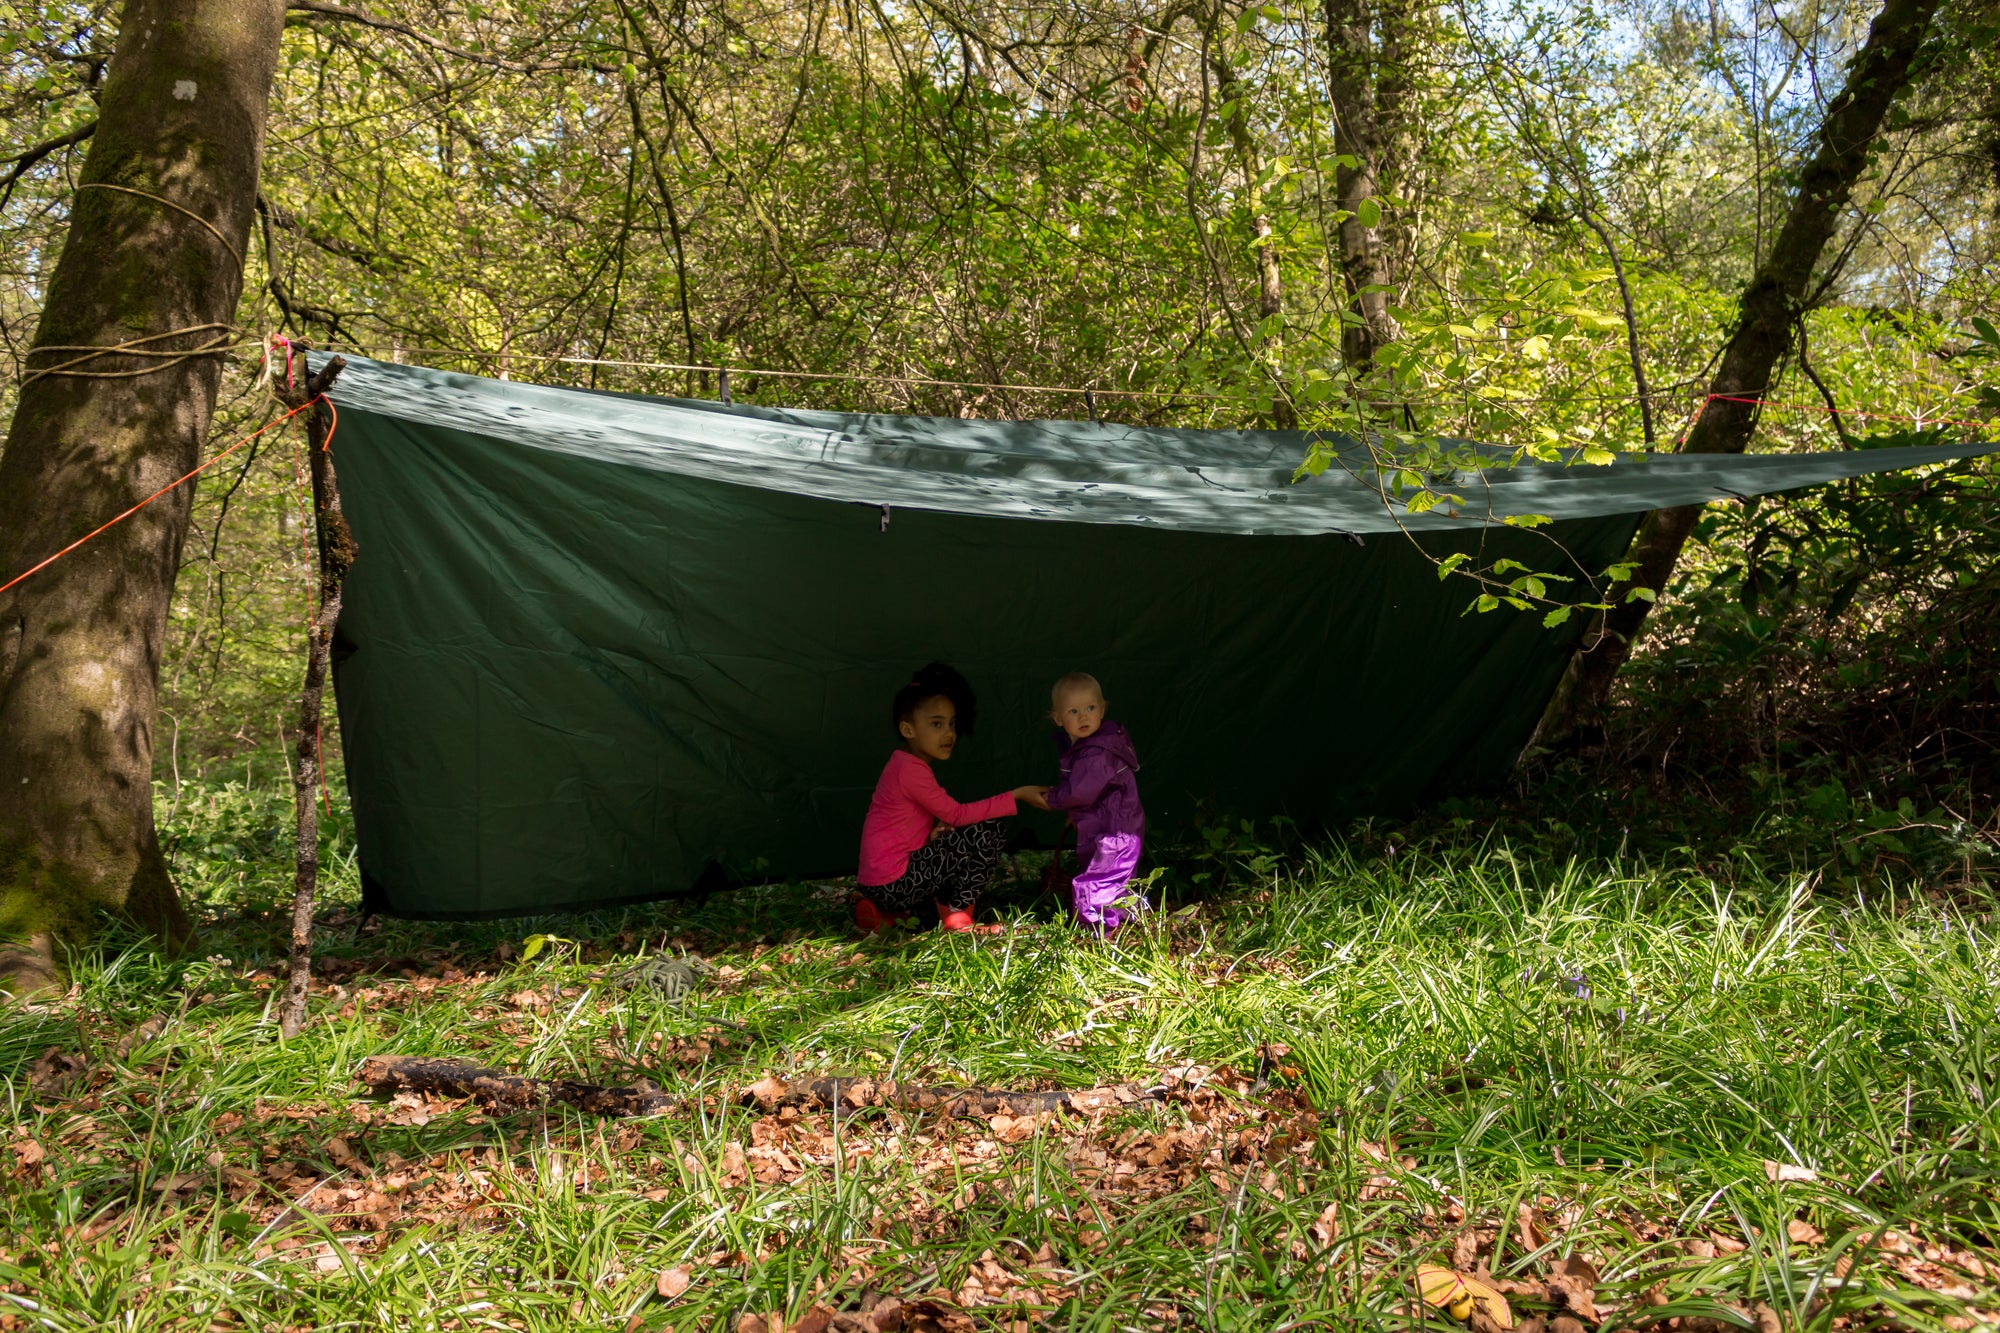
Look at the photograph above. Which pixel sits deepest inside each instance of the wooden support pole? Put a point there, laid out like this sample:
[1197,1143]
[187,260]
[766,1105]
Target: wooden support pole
[336,556]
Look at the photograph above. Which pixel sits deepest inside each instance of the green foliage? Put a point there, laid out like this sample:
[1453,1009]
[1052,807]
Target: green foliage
[906,195]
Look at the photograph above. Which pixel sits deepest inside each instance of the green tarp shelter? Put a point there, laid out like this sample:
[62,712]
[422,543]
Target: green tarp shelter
[599,648]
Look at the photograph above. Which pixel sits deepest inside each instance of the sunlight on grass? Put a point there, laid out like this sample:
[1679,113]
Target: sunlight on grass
[1736,1098]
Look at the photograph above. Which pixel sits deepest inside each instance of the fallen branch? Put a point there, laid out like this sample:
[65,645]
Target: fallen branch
[499,1092]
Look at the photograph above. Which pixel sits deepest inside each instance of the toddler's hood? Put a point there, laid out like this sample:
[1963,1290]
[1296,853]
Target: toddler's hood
[1110,738]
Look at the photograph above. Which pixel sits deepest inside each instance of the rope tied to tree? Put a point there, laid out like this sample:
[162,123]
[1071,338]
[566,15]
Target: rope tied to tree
[226,338]
[213,230]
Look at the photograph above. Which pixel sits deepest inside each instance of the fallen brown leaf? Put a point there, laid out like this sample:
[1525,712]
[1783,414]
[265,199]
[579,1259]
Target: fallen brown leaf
[1803,1232]
[735,1167]
[1524,1221]
[814,1320]
[1573,1281]
[671,1282]
[1782,1172]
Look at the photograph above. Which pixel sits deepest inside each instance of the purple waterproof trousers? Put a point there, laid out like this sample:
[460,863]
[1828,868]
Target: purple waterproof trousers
[1108,863]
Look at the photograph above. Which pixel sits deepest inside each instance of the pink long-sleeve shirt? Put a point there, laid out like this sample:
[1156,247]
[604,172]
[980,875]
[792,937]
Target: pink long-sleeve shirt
[907,803]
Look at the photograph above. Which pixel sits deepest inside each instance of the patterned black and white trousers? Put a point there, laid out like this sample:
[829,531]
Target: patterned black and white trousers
[951,870]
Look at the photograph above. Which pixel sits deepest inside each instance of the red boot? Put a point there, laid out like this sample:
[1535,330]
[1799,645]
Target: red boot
[961,920]
[867,916]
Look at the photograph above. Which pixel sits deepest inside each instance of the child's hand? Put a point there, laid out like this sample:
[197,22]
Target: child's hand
[1034,796]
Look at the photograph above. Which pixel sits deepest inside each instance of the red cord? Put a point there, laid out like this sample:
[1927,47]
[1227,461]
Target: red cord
[37,568]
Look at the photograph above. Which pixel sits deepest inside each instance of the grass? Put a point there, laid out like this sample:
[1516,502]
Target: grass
[1499,1055]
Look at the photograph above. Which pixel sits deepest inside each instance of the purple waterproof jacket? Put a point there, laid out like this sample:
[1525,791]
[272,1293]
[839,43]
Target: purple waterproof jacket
[1099,790]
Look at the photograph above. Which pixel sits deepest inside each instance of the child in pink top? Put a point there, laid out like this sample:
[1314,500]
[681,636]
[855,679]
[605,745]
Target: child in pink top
[917,843]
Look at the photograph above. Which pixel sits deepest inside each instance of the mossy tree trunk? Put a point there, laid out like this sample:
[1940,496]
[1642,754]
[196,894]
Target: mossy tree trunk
[156,235]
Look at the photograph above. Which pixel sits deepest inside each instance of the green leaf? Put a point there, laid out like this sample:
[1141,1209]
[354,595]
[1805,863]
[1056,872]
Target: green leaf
[1987,332]
[1487,601]
[1368,213]
[1555,617]
[1449,563]
[1641,595]
[1246,20]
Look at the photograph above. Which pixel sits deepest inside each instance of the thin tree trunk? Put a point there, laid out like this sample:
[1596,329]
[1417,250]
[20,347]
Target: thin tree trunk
[1632,349]
[336,557]
[1771,307]
[1368,82]
[154,251]
[673,222]
[1270,281]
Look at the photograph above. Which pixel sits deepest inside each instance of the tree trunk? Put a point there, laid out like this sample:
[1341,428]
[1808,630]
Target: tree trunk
[1368,81]
[1270,281]
[153,256]
[1770,309]
[336,557]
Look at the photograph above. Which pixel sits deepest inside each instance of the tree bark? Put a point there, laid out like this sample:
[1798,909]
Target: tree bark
[1770,309]
[1270,281]
[336,557]
[1368,82]
[153,252]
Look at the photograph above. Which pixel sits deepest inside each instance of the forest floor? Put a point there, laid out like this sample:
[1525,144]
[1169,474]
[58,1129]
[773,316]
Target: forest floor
[1622,1089]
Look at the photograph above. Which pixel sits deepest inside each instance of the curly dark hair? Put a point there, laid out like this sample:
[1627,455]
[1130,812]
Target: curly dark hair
[930,682]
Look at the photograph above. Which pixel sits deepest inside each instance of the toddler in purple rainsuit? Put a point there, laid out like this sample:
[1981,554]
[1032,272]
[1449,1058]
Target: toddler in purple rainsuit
[1099,792]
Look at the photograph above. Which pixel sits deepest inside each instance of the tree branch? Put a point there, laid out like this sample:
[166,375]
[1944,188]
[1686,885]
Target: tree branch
[325,9]
[27,157]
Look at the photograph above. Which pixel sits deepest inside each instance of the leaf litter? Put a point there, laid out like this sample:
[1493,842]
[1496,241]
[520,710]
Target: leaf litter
[328,1184]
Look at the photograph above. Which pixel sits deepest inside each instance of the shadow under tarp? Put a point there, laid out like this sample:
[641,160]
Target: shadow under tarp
[598,647]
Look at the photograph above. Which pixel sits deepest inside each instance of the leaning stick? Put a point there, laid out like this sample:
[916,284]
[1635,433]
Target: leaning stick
[499,1092]
[336,554]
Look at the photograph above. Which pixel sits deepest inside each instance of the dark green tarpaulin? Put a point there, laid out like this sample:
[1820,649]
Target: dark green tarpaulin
[597,647]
